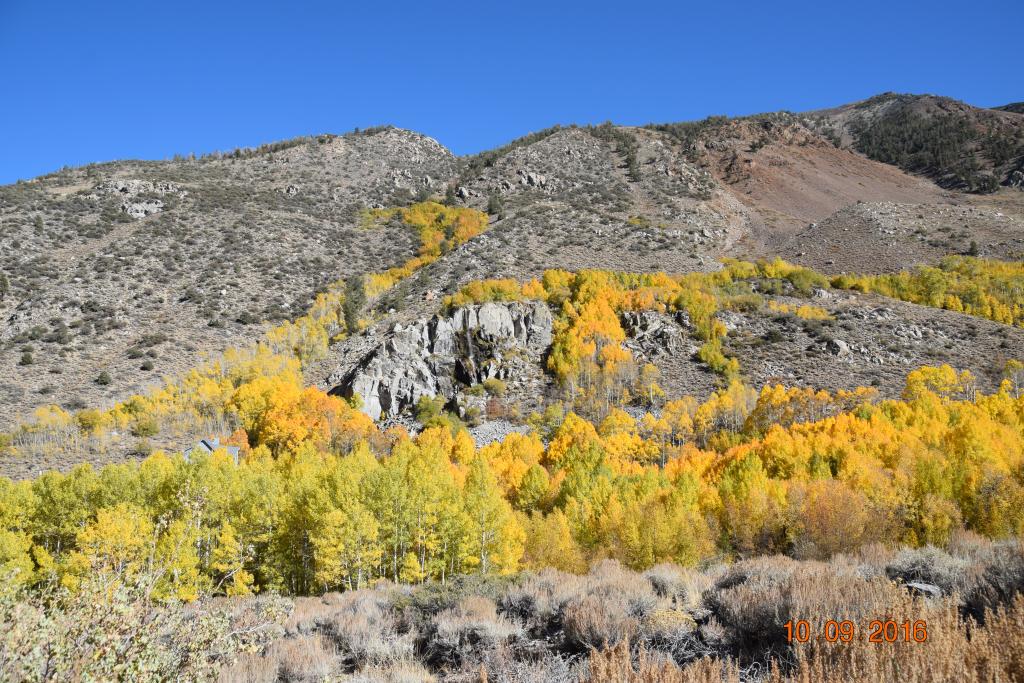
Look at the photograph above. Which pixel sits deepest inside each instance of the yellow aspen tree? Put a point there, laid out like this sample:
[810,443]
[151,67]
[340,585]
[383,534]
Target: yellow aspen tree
[495,537]
[120,540]
[346,547]
[228,562]
[16,563]
[549,543]
[178,561]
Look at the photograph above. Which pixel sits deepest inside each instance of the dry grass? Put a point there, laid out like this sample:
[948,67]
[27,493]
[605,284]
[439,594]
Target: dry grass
[956,650]
[399,672]
[366,631]
[930,565]
[472,626]
[669,624]
[594,622]
[306,658]
[682,586]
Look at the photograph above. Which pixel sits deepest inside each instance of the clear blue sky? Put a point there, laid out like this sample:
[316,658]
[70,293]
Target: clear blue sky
[92,81]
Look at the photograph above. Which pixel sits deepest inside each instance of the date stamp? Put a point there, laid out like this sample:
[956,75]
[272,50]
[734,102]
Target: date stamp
[846,631]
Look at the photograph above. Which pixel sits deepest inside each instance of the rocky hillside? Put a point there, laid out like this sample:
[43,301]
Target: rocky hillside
[953,143]
[864,341]
[784,170]
[120,273]
[890,236]
[117,275]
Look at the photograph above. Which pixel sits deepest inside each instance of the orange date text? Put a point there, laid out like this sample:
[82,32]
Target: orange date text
[846,631]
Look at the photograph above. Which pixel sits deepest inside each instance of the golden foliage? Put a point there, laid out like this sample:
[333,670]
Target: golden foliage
[440,229]
[804,311]
[320,499]
[986,288]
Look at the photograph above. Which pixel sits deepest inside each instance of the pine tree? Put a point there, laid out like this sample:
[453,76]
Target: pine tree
[355,301]
[495,205]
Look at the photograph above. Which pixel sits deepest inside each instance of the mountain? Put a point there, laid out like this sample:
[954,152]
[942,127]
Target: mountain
[1015,107]
[352,407]
[953,143]
[119,275]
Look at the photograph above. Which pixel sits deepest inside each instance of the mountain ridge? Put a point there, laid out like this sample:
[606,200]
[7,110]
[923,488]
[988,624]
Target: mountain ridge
[121,273]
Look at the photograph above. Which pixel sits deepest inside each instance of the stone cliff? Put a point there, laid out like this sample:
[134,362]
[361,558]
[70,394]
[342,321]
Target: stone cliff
[447,354]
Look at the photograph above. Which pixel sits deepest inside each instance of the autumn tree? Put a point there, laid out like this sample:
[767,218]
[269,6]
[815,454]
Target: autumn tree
[228,564]
[549,543]
[495,536]
[120,541]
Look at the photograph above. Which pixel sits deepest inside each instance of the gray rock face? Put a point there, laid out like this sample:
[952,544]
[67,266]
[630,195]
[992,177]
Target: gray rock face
[129,190]
[654,334]
[130,187]
[443,355]
[142,209]
[532,179]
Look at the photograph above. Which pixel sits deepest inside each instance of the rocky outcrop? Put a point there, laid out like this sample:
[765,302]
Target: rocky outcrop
[495,430]
[654,334]
[532,179]
[446,354]
[130,190]
[130,187]
[1016,179]
[142,209]
[837,347]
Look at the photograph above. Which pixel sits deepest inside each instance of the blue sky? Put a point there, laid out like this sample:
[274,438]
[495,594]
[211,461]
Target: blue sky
[93,81]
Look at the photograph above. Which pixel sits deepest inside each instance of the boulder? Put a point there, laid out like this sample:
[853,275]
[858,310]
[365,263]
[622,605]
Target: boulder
[532,179]
[837,347]
[822,294]
[924,590]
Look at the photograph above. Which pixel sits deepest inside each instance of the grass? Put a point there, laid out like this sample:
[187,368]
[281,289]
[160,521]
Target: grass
[671,624]
[666,625]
